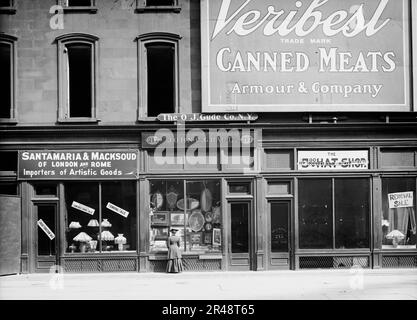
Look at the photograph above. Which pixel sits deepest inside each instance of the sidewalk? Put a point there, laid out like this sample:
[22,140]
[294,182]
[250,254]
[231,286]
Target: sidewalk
[391,284]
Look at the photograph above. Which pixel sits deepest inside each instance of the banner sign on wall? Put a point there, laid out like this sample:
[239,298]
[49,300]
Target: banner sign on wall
[401,200]
[309,55]
[333,160]
[79,165]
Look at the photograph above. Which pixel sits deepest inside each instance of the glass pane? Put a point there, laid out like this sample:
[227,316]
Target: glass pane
[279,226]
[8,161]
[161,78]
[352,213]
[45,189]
[5,3]
[315,214]
[397,158]
[46,246]
[239,187]
[9,188]
[279,188]
[159,2]
[279,159]
[79,3]
[167,203]
[240,227]
[80,81]
[5,80]
[203,216]
[399,214]
[118,225]
[82,220]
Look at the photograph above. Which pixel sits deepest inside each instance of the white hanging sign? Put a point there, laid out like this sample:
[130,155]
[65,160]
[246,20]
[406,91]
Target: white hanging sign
[82,207]
[401,199]
[116,209]
[46,229]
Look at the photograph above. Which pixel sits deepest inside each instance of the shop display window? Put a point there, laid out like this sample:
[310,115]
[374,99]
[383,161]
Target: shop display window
[91,228]
[398,213]
[348,210]
[197,215]
[315,213]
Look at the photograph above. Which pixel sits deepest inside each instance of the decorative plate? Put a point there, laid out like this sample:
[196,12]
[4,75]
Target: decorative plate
[191,204]
[196,221]
[208,226]
[158,200]
[172,197]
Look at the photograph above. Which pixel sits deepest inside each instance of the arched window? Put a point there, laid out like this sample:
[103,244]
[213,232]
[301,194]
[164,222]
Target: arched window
[158,74]
[77,69]
[8,78]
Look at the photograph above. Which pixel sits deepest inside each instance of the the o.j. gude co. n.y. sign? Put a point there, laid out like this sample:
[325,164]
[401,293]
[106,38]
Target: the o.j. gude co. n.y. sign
[78,164]
[307,55]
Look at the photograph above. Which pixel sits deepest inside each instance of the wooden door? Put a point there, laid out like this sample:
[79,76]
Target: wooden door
[239,242]
[279,234]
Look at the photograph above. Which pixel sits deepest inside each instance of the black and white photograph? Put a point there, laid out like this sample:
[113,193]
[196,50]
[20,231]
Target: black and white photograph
[208,158]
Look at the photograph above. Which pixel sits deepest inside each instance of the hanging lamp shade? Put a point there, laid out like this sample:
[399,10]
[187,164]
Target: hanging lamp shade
[82,237]
[395,234]
[106,236]
[105,223]
[93,223]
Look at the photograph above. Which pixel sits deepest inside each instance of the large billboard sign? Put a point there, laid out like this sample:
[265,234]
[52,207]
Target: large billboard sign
[309,55]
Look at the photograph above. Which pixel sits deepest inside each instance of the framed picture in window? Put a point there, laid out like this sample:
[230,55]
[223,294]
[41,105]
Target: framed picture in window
[217,237]
[196,237]
[208,238]
[160,219]
[177,218]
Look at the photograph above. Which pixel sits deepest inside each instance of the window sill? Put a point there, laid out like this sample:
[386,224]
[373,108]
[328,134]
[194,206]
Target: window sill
[78,120]
[8,10]
[147,119]
[175,9]
[80,9]
[8,121]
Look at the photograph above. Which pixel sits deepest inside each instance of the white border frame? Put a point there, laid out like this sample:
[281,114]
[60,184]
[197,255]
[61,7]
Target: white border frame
[208,107]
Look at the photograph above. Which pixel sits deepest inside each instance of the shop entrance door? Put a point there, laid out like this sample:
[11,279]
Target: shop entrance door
[46,243]
[279,235]
[239,242]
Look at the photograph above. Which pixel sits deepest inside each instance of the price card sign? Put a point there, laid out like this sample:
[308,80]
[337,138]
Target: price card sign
[82,207]
[46,229]
[401,199]
[116,209]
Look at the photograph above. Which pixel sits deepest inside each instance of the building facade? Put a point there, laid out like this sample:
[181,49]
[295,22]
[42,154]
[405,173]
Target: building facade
[272,136]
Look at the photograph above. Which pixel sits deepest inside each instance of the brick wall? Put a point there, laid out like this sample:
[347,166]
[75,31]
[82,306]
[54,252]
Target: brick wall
[117,25]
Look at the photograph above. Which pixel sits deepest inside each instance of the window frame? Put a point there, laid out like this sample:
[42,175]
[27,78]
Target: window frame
[142,7]
[144,40]
[11,42]
[68,9]
[63,105]
[10,9]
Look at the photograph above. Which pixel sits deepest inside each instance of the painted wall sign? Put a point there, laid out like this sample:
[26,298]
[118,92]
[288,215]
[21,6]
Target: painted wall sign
[401,200]
[78,164]
[82,207]
[200,117]
[320,160]
[307,55]
[46,229]
[116,209]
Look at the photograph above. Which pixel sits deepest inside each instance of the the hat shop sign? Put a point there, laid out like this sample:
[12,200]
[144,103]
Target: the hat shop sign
[78,164]
[306,55]
[323,160]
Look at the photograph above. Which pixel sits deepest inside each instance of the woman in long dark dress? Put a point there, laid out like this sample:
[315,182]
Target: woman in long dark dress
[174,254]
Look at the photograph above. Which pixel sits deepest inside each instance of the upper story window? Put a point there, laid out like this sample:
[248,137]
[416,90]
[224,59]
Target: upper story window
[7,78]
[77,54]
[158,5]
[78,5]
[7,6]
[158,74]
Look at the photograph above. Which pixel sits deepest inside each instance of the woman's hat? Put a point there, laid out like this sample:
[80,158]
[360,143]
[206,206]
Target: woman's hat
[174,230]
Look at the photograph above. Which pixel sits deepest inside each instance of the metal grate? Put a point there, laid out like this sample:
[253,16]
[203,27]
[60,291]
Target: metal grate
[119,265]
[333,262]
[399,261]
[99,265]
[189,264]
